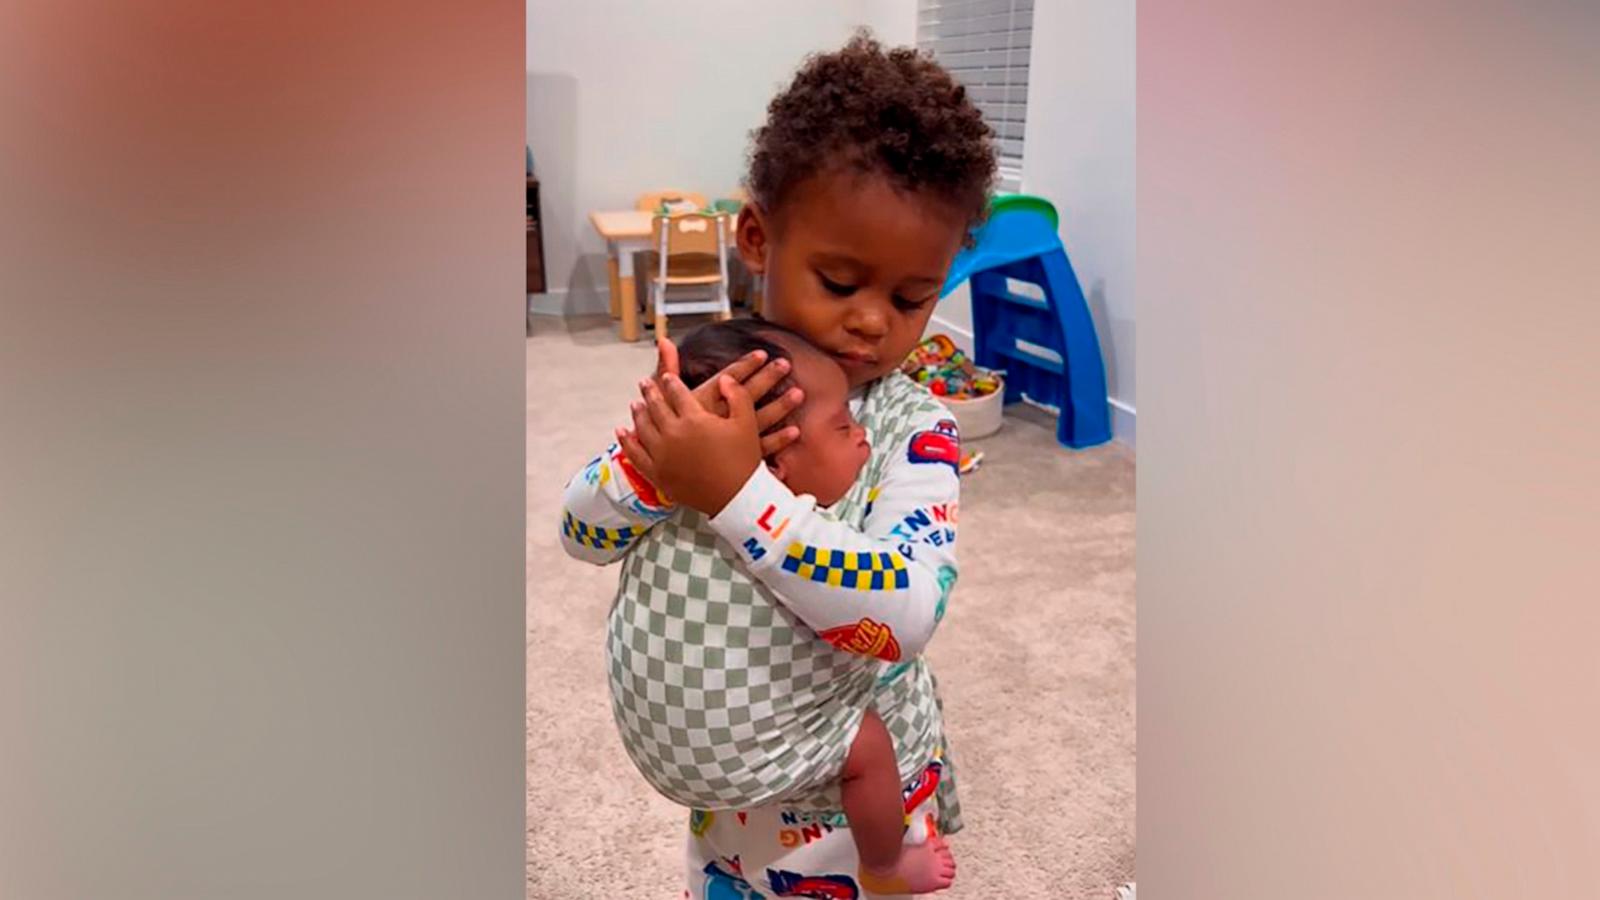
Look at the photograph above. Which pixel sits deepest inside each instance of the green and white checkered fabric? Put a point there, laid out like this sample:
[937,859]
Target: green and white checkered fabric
[726,700]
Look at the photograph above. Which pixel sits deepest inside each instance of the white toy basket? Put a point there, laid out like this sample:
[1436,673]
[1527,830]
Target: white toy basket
[980,416]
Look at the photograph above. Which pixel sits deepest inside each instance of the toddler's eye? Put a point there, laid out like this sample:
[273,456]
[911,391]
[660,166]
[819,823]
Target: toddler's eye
[834,287]
[912,305]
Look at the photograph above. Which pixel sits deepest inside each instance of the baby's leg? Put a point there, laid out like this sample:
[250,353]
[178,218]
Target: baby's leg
[870,790]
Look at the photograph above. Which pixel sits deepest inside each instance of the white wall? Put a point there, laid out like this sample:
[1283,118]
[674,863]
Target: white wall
[1079,154]
[627,96]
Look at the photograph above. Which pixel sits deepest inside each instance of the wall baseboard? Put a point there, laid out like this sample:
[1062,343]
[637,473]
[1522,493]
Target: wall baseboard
[1124,418]
[1124,423]
[563,303]
[550,303]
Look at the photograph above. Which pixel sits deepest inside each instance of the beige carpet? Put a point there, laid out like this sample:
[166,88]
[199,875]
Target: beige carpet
[1035,659]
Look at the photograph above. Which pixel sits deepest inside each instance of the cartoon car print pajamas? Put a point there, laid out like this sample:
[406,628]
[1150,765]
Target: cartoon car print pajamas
[742,706]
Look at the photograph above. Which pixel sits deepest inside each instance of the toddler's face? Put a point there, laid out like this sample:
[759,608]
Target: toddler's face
[832,448]
[854,265]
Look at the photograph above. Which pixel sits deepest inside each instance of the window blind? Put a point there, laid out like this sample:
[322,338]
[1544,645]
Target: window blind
[985,44]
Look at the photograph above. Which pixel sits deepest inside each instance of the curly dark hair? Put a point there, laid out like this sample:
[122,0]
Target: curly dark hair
[892,112]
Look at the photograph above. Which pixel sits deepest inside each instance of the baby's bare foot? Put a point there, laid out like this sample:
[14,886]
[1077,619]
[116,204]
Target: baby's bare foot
[921,869]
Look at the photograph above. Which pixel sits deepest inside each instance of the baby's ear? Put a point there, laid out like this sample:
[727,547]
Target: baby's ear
[775,463]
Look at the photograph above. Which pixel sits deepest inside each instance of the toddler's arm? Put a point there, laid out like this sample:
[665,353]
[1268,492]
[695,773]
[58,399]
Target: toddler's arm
[879,591]
[606,507]
[611,503]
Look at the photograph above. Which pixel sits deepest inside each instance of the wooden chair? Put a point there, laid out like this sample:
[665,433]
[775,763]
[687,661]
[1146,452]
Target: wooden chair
[651,202]
[691,255]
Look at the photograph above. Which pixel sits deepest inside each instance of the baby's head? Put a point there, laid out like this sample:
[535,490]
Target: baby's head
[868,175]
[832,447]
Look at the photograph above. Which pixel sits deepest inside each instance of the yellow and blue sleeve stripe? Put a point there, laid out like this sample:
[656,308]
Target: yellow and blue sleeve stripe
[595,536]
[852,569]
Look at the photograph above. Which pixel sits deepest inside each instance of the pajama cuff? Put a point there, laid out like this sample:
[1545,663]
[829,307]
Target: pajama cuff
[757,517]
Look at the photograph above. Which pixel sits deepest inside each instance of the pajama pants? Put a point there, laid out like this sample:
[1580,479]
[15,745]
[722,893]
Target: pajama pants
[770,851]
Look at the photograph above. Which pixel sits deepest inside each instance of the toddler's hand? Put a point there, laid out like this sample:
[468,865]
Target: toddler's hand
[697,457]
[756,378]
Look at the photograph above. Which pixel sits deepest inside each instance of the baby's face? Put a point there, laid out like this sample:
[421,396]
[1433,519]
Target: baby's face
[832,448]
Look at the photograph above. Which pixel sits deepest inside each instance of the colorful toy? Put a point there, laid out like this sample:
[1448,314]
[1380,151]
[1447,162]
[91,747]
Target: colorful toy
[940,366]
[970,460]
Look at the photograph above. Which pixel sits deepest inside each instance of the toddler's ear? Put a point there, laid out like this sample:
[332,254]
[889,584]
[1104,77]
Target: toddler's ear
[750,237]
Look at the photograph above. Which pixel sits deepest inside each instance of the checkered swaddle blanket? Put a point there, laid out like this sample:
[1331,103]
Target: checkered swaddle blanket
[724,699]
